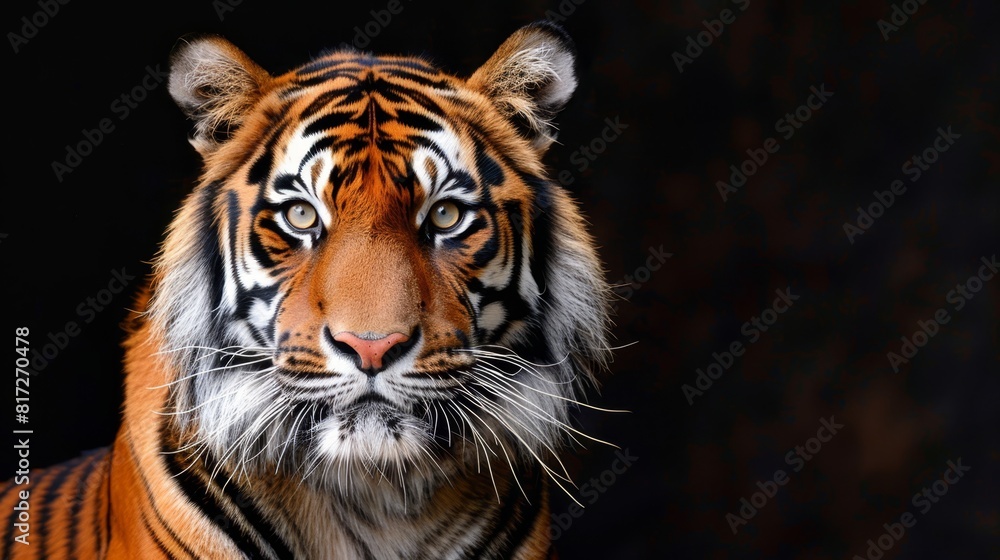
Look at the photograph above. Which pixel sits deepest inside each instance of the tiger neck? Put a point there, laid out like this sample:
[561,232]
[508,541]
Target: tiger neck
[368,516]
[462,519]
[474,515]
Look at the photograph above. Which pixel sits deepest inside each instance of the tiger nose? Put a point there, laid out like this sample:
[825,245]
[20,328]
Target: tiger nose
[376,352]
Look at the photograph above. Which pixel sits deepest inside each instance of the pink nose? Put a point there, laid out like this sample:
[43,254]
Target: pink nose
[371,352]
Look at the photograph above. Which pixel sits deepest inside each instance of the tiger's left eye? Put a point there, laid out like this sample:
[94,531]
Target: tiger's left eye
[445,214]
[301,215]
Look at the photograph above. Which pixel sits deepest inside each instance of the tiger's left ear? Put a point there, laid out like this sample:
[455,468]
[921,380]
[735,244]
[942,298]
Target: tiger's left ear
[216,85]
[530,78]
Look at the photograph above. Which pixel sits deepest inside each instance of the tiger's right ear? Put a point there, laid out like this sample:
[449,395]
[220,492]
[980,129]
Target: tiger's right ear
[216,85]
[530,78]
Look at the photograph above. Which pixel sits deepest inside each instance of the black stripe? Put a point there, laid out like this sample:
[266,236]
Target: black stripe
[337,179]
[233,217]
[257,248]
[541,222]
[51,494]
[256,519]
[426,81]
[526,519]
[210,255]
[516,307]
[202,497]
[513,210]
[359,544]
[318,79]
[152,533]
[462,182]
[259,252]
[499,523]
[329,121]
[261,168]
[392,146]
[425,102]
[417,121]
[488,251]
[209,247]
[321,65]
[286,183]
[316,148]
[490,172]
[354,147]
[427,143]
[102,527]
[457,242]
[245,300]
[150,499]
[80,496]
[10,532]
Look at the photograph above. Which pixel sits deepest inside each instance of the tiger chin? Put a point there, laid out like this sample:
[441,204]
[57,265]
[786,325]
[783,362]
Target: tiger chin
[365,328]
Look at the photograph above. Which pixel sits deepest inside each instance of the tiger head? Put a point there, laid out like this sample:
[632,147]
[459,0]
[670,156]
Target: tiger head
[374,269]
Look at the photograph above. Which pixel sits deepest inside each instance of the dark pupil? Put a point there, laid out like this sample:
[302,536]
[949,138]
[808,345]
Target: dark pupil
[298,209]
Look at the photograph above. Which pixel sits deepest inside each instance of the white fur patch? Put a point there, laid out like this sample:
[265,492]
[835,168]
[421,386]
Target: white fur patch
[492,316]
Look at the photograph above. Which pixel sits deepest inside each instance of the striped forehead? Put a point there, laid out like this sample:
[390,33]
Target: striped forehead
[351,117]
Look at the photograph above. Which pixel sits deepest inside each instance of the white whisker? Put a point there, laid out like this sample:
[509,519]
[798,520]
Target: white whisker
[509,391]
[216,369]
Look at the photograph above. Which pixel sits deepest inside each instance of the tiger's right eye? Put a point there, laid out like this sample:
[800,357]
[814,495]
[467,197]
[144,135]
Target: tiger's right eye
[302,215]
[445,215]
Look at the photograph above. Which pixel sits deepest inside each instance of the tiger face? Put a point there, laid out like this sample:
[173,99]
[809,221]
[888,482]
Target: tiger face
[375,270]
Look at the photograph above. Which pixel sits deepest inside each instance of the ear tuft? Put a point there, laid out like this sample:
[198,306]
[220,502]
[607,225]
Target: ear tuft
[216,85]
[530,78]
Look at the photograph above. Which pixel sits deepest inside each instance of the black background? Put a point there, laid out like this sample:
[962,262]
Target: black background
[652,187]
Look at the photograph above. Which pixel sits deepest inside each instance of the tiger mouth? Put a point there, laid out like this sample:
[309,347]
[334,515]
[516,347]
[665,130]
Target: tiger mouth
[374,416]
[372,412]
[370,417]
[372,399]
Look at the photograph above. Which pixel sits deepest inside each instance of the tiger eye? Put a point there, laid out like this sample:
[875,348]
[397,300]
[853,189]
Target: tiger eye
[445,215]
[301,215]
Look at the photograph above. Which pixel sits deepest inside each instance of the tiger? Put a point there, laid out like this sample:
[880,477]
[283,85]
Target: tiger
[366,329]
